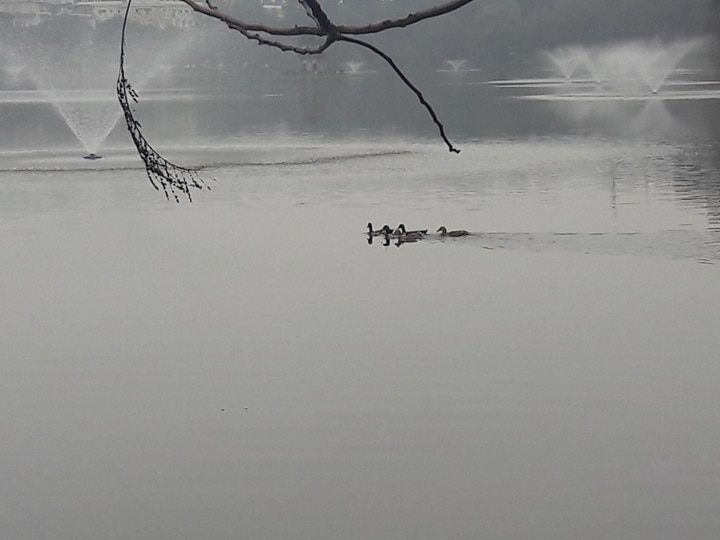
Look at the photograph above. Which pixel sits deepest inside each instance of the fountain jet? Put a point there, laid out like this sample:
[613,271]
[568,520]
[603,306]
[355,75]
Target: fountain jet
[456,65]
[78,78]
[625,67]
[354,65]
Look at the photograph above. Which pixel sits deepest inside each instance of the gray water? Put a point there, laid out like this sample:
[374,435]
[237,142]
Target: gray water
[248,366]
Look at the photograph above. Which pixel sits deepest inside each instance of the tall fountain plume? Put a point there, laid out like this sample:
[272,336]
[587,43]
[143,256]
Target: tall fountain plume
[456,65]
[566,59]
[354,65]
[628,66]
[76,71]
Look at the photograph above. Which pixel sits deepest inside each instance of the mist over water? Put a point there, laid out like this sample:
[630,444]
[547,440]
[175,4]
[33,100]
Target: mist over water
[250,366]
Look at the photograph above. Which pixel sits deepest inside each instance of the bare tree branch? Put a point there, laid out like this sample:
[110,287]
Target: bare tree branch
[318,15]
[285,47]
[373,28]
[172,178]
[408,83]
[237,24]
[163,175]
[333,33]
[409,20]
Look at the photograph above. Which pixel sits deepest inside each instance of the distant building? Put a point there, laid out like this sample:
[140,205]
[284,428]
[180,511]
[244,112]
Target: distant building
[158,13]
[32,12]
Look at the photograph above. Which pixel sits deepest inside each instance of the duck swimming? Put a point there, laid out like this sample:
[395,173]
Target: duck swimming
[453,234]
[403,233]
[384,230]
[410,236]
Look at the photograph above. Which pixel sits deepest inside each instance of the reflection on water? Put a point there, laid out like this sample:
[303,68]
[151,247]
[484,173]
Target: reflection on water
[248,365]
[643,185]
[675,244]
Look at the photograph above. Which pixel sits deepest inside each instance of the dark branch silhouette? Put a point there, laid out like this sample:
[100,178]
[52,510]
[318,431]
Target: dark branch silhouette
[408,83]
[172,178]
[163,175]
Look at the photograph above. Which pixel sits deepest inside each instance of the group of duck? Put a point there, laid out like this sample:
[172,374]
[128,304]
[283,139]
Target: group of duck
[403,235]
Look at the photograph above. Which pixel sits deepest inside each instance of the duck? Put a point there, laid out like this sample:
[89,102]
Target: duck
[401,232]
[453,234]
[410,236]
[384,230]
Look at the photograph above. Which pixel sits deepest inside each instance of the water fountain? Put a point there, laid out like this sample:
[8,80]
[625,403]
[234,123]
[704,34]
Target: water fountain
[621,86]
[664,63]
[456,65]
[624,68]
[75,71]
[75,75]
[15,70]
[354,65]
[566,59]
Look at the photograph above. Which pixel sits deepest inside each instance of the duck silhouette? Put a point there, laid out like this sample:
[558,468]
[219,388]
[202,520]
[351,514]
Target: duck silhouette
[384,230]
[402,232]
[453,234]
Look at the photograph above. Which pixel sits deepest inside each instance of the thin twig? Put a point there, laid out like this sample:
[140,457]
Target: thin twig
[408,83]
[163,174]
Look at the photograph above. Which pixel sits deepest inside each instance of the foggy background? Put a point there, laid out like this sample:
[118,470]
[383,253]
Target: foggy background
[502,38]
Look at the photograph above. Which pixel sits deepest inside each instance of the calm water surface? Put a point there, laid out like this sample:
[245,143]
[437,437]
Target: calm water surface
[248,366]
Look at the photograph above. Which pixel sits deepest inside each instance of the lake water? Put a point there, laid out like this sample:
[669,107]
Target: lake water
[249,366]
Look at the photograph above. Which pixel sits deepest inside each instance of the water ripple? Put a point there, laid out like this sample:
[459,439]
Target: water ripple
[671,244]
